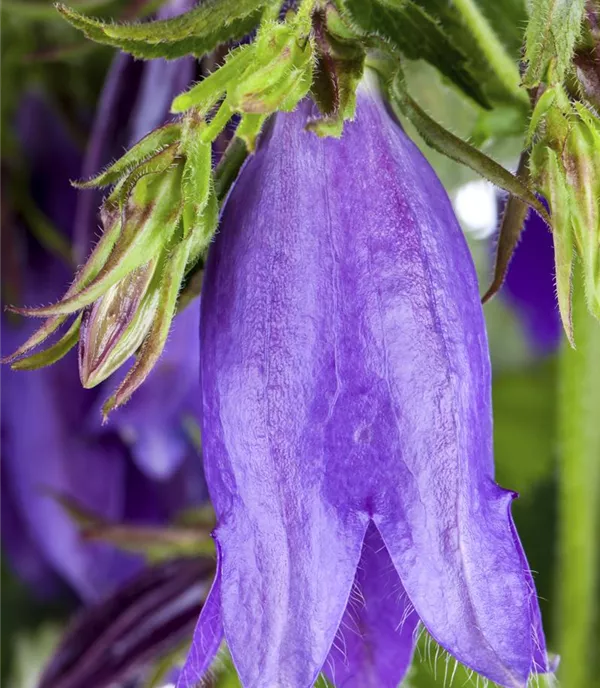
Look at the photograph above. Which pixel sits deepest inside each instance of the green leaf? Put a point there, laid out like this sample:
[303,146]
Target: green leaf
[207,18]
[46,11]
[197,45]
[469,26]
[553,29]
[508,19]
[443,141]
[409,28]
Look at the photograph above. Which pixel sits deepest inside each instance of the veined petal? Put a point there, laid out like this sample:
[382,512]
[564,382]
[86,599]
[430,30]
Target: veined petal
[208,635]
[345,379]
[374,644]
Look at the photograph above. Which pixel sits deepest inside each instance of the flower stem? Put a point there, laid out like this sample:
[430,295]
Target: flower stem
[500,61]
[579,493]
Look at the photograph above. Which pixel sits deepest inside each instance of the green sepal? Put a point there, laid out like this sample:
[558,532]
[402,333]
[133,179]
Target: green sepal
[409,28]
[458,150]
[146,227]
[552,32]
[203,230]
[144,149]
[196,45]
[339,71]
[511,227]
[564,245]
[196,185]
[87,273]
[53,353]
[249,128]
[206,94]
[543,106]
[279,77]
[212,130]
[340,67]
[155,543]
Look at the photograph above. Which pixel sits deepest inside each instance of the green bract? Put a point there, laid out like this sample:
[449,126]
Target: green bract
[566,166]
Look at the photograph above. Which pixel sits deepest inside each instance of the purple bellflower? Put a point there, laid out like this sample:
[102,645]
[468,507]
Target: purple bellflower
[347,423]
[530,286]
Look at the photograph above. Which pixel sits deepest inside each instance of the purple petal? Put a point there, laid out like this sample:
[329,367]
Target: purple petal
[44,453]
[52,158]
[208,636]
[345,379]
[374,645]
[20,549]
[530,285]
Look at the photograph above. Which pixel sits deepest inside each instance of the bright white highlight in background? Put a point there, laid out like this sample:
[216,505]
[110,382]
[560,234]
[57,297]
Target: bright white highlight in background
[476,206]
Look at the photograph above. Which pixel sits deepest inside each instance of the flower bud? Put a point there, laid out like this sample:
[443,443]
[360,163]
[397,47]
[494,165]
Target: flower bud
[113,328]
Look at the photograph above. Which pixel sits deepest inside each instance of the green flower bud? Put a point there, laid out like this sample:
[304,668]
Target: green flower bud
[158,221]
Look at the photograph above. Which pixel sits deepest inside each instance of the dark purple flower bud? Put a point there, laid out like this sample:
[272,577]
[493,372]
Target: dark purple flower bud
[530,286]
[347,417]
[119,638]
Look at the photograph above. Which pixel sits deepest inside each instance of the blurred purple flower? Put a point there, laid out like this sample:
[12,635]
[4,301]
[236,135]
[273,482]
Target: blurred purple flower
[530,286]
[49,443]
[347,424]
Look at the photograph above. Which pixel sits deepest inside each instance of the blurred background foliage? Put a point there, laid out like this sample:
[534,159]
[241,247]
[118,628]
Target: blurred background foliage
[40,52]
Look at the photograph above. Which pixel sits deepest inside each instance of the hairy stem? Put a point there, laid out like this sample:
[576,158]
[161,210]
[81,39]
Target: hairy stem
[579,494]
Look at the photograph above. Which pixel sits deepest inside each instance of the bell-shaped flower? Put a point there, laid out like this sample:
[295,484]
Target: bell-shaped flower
[347,423]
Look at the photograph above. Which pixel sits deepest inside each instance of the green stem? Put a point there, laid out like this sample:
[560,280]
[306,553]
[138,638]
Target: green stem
[503,65]
[579,493]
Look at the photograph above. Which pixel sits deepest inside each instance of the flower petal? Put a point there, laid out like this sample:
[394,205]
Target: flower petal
[208,636]
[374,644]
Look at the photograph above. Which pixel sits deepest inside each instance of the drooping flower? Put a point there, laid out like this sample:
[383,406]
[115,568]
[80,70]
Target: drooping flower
[530,286]
[347,425]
